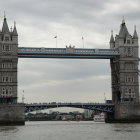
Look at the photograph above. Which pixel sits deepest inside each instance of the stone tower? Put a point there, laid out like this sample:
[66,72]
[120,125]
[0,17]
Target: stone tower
[8,63]
[124,69]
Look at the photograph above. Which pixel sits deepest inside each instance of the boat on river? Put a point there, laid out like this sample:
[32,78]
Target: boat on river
[99,118]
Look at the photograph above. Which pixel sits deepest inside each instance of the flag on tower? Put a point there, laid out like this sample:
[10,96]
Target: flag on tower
[56,40]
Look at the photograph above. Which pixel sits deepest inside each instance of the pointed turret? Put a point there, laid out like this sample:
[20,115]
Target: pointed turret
[14,34]
[5,28]
[135,35]
[15,30]
[123,30]
[111,38]
[112,42]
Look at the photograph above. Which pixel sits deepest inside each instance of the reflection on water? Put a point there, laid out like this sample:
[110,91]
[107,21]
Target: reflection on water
[59,130]
[6,129]
[126,127]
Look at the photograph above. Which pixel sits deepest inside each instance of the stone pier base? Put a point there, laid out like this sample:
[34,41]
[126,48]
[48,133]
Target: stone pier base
[124,113]
[12,114]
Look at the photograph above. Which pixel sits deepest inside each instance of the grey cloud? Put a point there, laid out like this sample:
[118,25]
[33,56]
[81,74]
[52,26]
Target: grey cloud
[61,69]
[70,90]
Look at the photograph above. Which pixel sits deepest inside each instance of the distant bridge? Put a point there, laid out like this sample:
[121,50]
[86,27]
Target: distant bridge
[91,106]
[68,52]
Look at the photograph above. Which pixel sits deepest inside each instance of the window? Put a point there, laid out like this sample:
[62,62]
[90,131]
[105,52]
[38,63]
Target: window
[6,79]
[3,90]
[133,79]
[7,65]
[6,38]
[129,79]
[128,41]
[129,52]
[129,90]
[10,90]
[129,66]
[6,91]
[6,48]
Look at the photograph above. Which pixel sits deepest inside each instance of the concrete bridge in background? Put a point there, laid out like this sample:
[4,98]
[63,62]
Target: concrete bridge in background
[102,107]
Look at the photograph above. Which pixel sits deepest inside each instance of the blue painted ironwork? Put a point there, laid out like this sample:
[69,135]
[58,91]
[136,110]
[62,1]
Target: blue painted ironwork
[68,52]
[91,106]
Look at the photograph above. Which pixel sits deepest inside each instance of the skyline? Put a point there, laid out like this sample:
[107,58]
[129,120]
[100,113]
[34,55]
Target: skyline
[60,80]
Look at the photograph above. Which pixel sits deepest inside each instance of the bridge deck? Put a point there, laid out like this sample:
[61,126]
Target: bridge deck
[91,106]
[68,52]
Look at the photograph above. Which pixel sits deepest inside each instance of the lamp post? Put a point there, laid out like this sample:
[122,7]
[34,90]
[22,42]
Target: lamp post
[23,98]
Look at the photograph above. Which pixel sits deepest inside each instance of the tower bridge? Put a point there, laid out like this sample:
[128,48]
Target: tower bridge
[123,55]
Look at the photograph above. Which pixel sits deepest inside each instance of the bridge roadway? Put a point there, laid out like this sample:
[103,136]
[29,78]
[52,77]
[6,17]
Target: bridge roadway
[68,52]
[103,107]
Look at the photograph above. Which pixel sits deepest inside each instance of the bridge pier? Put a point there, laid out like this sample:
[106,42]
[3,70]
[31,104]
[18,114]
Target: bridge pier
[109,117]
[12,114]
[127,113]
[124,113]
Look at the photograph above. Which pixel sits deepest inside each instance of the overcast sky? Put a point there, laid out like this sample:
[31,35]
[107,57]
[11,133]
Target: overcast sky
[67,80]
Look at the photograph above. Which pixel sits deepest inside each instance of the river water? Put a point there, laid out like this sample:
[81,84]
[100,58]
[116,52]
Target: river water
[60,130]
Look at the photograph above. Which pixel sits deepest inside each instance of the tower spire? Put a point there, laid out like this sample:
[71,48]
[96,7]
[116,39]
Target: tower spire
[111,38]
[123,30]
[15,29]
[112,42]
[123,20]
[135,35]
[14,23]
[135,27]
[5,28]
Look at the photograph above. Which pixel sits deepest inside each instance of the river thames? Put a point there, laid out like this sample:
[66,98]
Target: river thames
[70,130]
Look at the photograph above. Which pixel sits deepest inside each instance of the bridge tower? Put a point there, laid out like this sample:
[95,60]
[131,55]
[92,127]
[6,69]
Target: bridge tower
[124,70]
[124,76]
[8,61]
[10,111]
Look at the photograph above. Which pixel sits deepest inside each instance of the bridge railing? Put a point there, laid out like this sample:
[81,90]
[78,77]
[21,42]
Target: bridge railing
[68,50]
[55,104]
